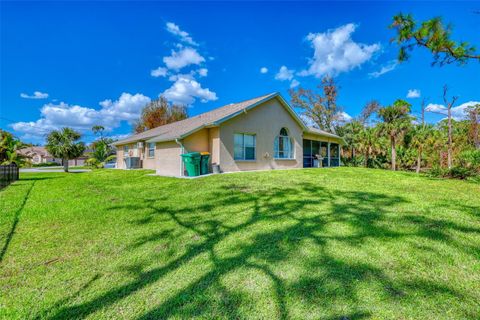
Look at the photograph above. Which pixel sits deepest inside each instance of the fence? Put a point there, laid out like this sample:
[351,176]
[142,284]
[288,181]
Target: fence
[8,174]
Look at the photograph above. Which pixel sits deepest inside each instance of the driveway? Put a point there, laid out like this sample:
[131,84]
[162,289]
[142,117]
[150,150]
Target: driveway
[51,169]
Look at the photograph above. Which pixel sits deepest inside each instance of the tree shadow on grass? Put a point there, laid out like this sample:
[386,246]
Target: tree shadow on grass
[16,219]
[276,223]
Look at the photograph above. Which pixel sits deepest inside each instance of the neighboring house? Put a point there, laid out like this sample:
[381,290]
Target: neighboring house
[259,134]
[38,155]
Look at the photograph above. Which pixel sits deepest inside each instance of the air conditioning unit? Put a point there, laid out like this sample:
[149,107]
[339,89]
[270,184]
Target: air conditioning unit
[132,162]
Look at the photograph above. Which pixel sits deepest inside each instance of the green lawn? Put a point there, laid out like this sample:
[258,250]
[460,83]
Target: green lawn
[339,243]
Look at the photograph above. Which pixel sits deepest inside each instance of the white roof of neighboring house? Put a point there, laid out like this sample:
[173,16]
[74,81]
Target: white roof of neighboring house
[183,128]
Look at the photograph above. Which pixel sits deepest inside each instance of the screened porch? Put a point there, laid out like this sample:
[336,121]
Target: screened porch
[320,154]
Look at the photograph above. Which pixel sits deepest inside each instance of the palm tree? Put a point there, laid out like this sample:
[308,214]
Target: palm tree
[102,153]
[102,149]
[350,133]
[9,147]
[63,144]
[421,136]
[396,119]
[368,143]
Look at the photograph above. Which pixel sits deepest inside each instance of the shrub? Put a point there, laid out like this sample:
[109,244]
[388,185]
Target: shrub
[459,172]
[456,172]
[46,164]
[437,172]
[470,159]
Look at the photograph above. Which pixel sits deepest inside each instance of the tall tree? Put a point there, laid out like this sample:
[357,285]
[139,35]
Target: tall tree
[423,106]
[350,133]
[368,111]
[64,144]
[433,35]
[158,113]
[448,106]
[396,119]
[474,116]
[321,107]
[421,135]
[369,143]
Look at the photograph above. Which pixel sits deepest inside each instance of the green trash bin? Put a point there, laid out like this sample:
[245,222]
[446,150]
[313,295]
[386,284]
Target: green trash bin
[192,163]
[204,162]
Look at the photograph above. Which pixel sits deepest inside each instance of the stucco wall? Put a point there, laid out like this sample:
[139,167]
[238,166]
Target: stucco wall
[168,161]
[149,163]
[214,144]
[196,142]
[120,162]
[265,121]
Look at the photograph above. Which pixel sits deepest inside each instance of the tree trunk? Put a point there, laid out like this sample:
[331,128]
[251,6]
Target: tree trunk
[449,153]
[394,154]
[65,165]
[419,161]
[476,138]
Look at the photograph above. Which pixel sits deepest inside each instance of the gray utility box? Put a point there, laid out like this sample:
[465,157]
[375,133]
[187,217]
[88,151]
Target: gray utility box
[132,162]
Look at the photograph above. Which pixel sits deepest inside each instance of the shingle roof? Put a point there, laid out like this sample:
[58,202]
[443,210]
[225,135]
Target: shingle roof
[34,149]
[322,133]
[180,129]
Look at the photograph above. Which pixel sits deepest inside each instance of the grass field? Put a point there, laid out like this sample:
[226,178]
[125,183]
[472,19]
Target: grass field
[339,243]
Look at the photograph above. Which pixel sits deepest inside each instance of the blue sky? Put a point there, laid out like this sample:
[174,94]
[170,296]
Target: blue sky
[80,64]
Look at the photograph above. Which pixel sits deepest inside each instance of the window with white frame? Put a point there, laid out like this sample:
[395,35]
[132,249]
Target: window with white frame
[244,146]
[125,150]
[151,149]
[283,146]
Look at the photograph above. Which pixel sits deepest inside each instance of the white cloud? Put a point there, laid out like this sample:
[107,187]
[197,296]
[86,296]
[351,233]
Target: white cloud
[458,113]
[159,72]
[336,52]
[185,90]
[294,83]
[263,70]
[179,59]
[344,117]
[390,66]
[413,93]
[203,72]
[55,116]
[284,74]
[36,95]
[183,35]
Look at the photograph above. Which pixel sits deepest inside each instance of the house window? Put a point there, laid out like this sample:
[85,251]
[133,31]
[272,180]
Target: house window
[244,146]
[283,146]
[151,149]
[125,150]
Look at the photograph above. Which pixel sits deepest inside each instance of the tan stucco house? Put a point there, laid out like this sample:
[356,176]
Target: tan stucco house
[263,133]
[39,155]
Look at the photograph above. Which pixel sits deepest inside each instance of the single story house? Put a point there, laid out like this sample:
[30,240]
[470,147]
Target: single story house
[39,155]
[263,133]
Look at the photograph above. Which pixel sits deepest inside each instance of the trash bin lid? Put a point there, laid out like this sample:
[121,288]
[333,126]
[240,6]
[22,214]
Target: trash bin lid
[205,153]
[191,155]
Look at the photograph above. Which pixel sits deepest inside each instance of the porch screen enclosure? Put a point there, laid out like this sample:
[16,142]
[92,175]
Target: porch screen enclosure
[326,152]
